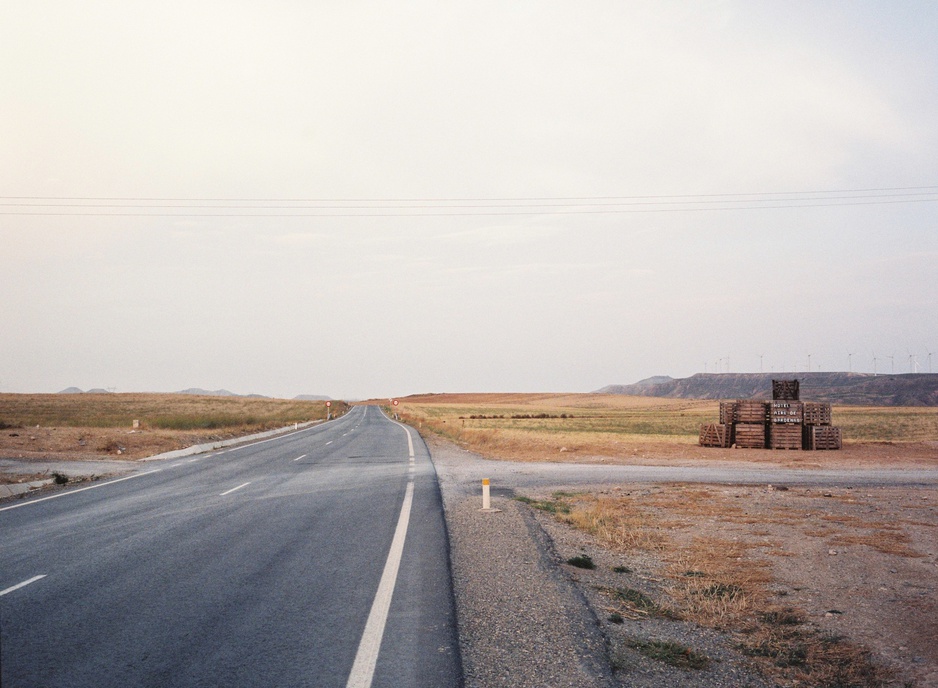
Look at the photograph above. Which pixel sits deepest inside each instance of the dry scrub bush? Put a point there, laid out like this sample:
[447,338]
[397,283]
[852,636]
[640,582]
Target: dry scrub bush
[616,524]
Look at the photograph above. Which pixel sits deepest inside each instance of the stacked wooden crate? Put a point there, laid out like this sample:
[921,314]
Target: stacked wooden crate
[750,418]
[818,433]
[783,423]
[716,435]
[786,390]
[785,420]
[816,413]
[817,437]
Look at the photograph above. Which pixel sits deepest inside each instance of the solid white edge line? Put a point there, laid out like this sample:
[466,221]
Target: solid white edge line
[21,585]
[363,669]
[80,489]
[300,457]
[233,489]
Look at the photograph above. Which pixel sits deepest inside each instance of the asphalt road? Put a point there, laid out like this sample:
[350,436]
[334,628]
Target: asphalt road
[314,559]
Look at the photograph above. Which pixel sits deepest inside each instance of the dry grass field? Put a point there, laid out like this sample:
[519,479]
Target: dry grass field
[635,430]
[88,426]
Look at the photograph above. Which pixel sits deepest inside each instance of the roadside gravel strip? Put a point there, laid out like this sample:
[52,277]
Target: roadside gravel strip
[523,622]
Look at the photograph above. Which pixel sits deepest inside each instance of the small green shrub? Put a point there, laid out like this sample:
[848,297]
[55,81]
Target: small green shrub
[671,653]
[551,507]
[582,561]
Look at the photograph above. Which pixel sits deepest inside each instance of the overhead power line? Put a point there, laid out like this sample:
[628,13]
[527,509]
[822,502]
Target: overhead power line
[80,206]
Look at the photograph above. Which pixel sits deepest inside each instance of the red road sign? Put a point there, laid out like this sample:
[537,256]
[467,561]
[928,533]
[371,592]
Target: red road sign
[395,402]
[328,403]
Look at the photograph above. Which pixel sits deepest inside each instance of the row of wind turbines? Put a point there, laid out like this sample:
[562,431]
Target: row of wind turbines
[722,365]
[913,362]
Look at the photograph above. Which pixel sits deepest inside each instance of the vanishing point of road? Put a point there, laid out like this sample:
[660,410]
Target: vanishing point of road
[318,558]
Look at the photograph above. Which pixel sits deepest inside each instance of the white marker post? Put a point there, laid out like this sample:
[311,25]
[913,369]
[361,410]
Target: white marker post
[328,410]
[487,498]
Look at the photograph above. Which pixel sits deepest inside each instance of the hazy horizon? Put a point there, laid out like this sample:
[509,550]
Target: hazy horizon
[363,201]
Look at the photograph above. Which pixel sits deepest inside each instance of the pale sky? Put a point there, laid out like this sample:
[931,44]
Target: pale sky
[377,199]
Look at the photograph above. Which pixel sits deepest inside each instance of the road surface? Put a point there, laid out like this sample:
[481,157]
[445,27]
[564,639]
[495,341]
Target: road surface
[314,559]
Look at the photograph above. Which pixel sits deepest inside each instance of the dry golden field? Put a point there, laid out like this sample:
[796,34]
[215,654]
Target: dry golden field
[623,429]
[84,426]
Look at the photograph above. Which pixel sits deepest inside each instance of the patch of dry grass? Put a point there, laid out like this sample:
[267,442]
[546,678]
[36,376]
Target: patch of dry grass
[620,525]
[888,424]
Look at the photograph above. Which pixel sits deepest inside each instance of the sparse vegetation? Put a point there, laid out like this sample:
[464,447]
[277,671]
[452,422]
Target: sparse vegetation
[167,411]
[723,580]
[582,561]
[671,653]
[75,425]
[553,506]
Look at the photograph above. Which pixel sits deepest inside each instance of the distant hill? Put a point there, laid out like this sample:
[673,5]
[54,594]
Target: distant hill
[652,381]
[858,389]
[206,392]
[311,397]
[76,390]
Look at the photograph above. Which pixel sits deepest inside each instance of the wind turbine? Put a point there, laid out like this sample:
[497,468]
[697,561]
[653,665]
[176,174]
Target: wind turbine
[760,362]
[874,363]
[892,363]
[929,360]
[850,362]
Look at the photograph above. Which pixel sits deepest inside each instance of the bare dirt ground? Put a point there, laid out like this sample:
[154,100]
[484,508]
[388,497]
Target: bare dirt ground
[779,572]
[853,455]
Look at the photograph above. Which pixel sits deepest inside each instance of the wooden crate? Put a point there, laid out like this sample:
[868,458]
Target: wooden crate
[822,437]
[786,412]
[785,390]
[748,411]
[716,435]
[816,413]
[750,435]
[727,412]
[785,436]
